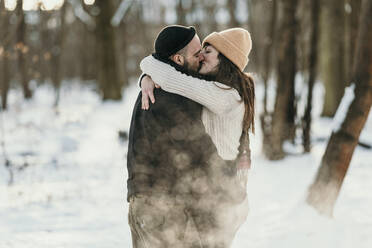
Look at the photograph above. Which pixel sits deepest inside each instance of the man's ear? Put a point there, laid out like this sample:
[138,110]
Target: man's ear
[178,59]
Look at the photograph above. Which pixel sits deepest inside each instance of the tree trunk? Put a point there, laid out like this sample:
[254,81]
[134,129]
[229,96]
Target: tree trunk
[107,75]
[255,21]
[269,42]
[87,45]
[57,52]
[5,81]
[210,10]
[284,110]
[351,32]
[4,56]
[324,191]
[181,13]
[84,54]
[201,28]
[306,121]
[22,49]
[231,5]
[45,54]
[265,117]
[123,54]
[332,54]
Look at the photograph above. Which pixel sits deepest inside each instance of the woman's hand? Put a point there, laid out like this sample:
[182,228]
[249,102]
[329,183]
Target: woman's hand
[148,86]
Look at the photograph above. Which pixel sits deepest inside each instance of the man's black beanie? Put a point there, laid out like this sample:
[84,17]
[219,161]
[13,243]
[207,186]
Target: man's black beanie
[173,38]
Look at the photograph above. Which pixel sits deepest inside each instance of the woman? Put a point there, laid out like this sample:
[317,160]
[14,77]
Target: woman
[228,102]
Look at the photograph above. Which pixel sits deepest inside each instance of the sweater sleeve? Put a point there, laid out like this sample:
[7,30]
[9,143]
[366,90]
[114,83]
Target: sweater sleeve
[215,96]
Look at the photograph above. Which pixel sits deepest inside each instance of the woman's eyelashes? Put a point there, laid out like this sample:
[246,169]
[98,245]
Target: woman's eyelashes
[205,52]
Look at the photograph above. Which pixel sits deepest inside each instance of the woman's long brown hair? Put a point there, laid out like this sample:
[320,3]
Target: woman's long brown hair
[230,75]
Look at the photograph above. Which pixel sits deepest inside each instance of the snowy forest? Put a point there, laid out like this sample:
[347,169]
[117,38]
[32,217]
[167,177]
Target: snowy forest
[68,83]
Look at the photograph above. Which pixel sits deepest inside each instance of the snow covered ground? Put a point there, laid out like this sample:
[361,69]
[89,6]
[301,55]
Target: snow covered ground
[69,184]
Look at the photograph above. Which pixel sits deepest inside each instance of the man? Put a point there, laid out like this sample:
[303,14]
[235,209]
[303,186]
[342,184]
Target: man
[168,156]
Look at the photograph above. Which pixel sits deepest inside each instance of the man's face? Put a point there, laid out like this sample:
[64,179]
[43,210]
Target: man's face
[192,56]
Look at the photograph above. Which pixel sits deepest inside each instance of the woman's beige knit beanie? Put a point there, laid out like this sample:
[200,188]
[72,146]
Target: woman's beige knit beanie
[234,43]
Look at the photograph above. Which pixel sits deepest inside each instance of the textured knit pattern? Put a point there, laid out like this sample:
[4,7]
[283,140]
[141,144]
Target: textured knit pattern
[223,110]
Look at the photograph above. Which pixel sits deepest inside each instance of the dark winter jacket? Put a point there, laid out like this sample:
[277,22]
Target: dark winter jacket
[169,151]
[166,143]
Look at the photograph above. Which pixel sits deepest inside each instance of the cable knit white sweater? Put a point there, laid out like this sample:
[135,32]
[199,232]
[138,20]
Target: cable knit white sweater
[223,110]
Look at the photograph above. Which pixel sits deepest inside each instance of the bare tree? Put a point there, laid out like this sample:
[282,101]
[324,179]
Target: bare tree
[22,50]
[46,43]
[323,193]
[197,23]
[5,80]
[56,54]
[265,117]
[269,44]
[282,125]
[87,44]
[332,54]
[211,23]
[255,20]
[108,75]
[306,120]
[231,6]
[351,31]
[4,54]
[181,13]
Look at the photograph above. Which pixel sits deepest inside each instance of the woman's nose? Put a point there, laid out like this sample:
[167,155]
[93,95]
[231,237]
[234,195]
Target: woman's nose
[201,57]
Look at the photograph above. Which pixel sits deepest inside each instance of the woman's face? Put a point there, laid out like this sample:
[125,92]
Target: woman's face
[210,62]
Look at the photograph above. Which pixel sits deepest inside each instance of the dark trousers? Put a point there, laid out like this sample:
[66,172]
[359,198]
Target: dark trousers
[161,221]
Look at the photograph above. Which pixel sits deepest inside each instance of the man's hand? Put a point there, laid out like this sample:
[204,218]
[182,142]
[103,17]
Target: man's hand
[148,86]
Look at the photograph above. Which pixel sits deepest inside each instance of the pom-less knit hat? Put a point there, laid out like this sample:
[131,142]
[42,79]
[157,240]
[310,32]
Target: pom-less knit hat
[234,43]
[173,38]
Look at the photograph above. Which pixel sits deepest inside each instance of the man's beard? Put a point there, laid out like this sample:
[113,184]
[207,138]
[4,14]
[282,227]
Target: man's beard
[186,66]
[189,69]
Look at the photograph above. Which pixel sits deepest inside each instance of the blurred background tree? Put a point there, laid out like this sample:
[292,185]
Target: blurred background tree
[324,192]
